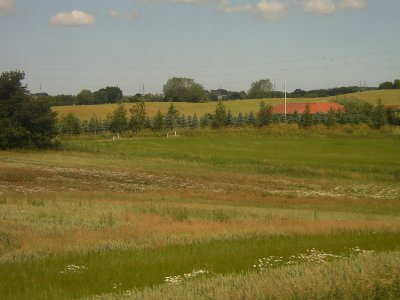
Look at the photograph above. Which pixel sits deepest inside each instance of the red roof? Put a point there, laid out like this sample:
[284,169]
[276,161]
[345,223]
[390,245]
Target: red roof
[316,107]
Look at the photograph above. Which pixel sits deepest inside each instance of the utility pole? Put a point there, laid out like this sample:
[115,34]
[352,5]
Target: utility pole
[285,97]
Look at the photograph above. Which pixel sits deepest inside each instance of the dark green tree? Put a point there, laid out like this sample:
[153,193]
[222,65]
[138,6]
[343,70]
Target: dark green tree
[306,118]
[260,89]
[264,115]
[184,89]
[229,121]
[118,120]
[331,118]
[85,97]
[158,122]
[379,117]
[387,85]
[24,121]
[396,84]
[110,94]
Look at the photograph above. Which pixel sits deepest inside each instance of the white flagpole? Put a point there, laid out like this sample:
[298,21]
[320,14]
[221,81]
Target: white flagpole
[285,98]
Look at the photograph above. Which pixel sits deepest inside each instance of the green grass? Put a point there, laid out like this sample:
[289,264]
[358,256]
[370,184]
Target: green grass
[139,209]
[138,269]
[301,156]
[85,112]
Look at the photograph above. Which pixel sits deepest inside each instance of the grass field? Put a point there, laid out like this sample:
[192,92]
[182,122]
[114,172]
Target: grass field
[225,216]
[85,112]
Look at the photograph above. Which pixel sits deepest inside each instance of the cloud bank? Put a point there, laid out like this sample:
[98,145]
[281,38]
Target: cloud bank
[319,7]
[6,7]
[355,4]
[269,10]
[131,16]
[72,19]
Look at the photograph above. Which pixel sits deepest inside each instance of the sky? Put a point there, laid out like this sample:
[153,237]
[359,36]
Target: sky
[64,46]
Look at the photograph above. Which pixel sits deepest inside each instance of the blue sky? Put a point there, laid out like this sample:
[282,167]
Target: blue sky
[65,46]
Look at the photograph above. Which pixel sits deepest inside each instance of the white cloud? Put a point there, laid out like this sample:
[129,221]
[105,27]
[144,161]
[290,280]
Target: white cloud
[319,7]
[73,18]
[355,4]
[226,9]
[271,10]
[6,7]
[131,16]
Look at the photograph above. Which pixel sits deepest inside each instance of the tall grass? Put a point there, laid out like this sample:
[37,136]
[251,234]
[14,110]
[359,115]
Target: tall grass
[374,276]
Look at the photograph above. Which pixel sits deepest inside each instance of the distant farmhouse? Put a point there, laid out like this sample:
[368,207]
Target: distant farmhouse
[320,107]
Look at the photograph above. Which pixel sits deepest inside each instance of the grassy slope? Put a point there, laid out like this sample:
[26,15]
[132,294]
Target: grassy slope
[243,106]
[135,211]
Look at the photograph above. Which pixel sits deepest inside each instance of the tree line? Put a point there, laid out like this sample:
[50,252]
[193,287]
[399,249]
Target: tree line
[135,119]
[181,89]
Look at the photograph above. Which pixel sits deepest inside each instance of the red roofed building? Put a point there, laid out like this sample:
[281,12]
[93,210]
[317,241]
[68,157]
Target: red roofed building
[315,107]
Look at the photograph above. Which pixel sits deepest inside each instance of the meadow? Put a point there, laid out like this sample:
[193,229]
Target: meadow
[85,112]
[218,214]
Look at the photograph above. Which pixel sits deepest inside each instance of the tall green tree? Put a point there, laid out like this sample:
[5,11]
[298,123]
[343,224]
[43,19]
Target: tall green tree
[260,89]
[118,120]
[24,121]
[396,84]
[220,115]
[138,116]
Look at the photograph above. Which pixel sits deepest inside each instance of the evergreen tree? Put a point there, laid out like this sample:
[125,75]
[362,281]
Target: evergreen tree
[182,122]
[391,116]
[331,118]
[118,119]
[229,118]
[70,124]
[138,116]
[220,115]
[264,114]
[172,117]
[306,118]
[158,122]
[94,124]
[195,121]
[240,120]
[251,119]
[379,117]
[206,120]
